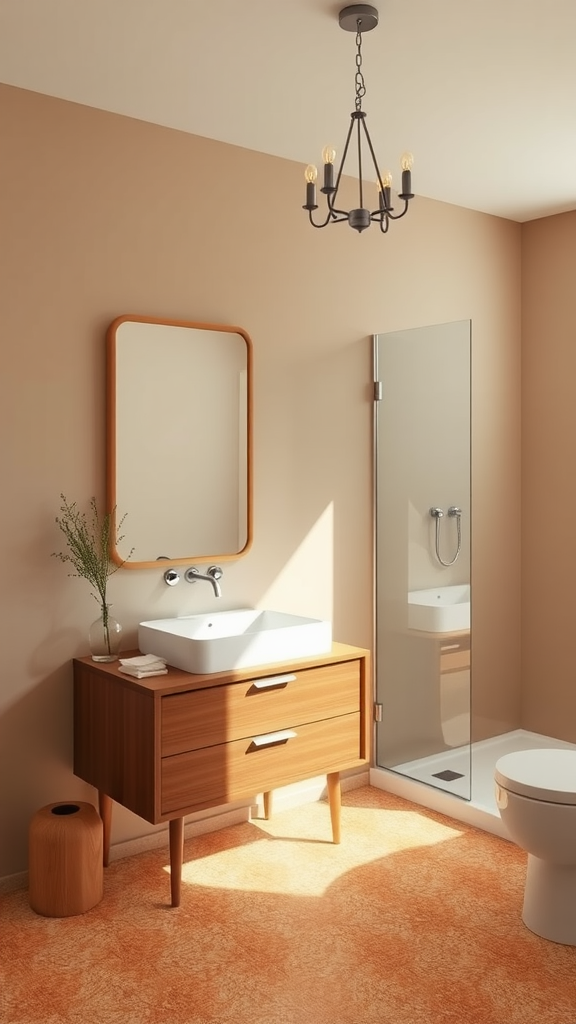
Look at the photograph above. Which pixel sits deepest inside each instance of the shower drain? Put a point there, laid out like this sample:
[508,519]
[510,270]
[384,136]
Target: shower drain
[447,775]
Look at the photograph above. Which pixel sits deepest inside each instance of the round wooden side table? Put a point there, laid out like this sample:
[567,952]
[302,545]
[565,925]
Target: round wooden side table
[65,859]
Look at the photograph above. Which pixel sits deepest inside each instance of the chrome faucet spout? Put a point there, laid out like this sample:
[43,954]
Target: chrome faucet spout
[212,576]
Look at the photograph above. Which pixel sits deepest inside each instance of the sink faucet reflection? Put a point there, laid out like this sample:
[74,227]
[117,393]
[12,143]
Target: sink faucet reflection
[212,576]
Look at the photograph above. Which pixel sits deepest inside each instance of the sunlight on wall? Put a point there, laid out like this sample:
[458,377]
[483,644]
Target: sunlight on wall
[305,584]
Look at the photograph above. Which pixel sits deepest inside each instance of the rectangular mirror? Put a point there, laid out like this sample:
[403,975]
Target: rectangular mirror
[179,438]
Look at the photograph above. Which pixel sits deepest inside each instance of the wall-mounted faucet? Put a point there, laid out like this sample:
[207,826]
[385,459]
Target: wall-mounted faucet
[212,576]
[172,577]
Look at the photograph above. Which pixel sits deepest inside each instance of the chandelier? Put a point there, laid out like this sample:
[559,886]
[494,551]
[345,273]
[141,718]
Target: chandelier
[358,18]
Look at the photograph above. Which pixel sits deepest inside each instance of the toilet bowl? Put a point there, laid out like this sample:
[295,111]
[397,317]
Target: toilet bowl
[536,798]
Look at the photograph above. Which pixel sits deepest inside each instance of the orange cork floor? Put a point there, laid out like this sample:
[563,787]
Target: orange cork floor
[413,919]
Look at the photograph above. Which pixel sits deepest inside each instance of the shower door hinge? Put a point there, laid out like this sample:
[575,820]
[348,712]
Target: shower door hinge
[378,390]
[377,712]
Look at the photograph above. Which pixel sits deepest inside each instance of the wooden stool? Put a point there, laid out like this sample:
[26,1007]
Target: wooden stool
[65,859]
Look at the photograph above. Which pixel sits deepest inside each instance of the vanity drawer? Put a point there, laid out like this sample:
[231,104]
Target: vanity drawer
[455,654]
[230,771]
[220,714]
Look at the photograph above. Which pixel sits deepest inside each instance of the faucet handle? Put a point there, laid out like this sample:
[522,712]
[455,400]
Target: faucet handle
[192,574]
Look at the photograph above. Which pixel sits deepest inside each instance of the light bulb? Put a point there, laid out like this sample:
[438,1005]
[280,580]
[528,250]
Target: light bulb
[328,154]
[384,191]
[407,161]
[310,174]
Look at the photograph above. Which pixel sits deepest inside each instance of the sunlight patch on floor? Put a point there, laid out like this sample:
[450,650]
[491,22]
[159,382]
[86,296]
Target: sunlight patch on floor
[261,864]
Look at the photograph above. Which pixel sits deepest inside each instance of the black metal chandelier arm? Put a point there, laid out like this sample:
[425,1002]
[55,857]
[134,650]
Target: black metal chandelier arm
[337,214]
[330,218]
[382,216]
[396,216]
[334,215]
[371,148]
[359,160]
[313,222]
[353,117]
[387,210]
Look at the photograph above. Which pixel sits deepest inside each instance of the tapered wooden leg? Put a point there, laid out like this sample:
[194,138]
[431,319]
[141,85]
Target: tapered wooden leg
[335,801]
[268,805]
[176,829]
[105,807]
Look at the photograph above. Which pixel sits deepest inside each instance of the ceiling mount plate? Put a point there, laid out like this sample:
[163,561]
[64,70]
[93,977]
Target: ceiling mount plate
[349,17]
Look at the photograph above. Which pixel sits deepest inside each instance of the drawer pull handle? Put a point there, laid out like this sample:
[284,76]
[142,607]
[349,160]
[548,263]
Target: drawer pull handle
[450,647]
[270,681]
[271,738]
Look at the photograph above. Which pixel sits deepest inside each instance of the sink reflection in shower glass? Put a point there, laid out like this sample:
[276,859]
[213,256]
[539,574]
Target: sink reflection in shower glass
[440,609]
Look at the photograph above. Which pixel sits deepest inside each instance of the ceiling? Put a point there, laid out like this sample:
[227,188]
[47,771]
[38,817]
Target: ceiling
[483,94]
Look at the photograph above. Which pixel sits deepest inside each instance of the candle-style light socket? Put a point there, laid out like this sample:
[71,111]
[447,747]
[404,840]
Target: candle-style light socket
[310,196]
[328,178]
[406,185]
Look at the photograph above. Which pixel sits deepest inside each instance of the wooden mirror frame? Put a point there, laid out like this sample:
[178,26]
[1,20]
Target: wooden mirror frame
[112,438]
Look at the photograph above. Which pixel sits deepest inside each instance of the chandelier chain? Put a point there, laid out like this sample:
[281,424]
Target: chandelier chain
[359,79]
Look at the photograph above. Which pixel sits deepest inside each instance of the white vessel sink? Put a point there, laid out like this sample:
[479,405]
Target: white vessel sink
[440,610]
[241,638]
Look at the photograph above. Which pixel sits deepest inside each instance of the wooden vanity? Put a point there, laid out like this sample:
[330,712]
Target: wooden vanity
[169,745]
[452,650]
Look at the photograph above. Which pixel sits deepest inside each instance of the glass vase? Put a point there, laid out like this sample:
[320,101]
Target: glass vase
[104,636]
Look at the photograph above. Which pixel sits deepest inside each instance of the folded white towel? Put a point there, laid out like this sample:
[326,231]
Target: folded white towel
[144,673]
[144,661]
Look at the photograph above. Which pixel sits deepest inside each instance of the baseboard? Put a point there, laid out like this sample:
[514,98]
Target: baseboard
[309,791]
[11,883]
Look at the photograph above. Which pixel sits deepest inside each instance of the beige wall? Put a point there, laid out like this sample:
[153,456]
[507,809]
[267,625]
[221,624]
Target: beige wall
[103,215]
[549,475]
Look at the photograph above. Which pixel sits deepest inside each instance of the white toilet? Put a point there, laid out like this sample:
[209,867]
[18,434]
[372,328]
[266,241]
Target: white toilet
[536,797]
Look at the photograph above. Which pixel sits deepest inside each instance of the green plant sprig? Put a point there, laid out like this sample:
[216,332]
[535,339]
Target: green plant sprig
[88,541]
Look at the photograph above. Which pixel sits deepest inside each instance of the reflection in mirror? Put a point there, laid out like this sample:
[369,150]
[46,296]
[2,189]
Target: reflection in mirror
[179,409]
[422,524]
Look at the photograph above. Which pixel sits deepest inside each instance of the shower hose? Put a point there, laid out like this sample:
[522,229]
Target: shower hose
[454,513]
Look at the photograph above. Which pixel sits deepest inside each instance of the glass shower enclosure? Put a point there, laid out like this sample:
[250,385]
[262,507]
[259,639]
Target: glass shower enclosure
[422,429]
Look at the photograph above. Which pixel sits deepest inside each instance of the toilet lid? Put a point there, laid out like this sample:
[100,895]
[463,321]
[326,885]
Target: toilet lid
[545,774]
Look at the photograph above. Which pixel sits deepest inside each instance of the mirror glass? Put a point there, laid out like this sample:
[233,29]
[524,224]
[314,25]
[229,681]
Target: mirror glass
[422,523]
[179,413]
